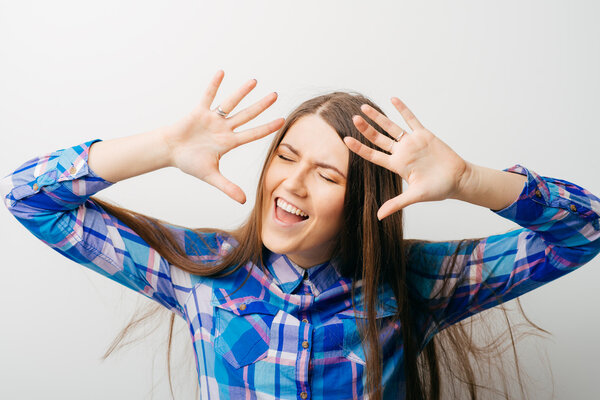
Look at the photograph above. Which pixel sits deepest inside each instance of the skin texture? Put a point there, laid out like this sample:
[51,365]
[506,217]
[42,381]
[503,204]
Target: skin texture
[297,175]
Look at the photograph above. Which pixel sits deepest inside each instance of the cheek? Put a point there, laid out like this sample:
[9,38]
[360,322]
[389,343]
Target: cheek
[269,183]
[272,179]
[333,207]
[332,218]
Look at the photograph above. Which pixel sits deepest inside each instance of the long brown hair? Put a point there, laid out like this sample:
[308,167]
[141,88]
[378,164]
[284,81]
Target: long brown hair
[373,252]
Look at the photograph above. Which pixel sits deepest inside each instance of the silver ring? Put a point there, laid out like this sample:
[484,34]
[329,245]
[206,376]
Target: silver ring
[396,140]
[220,111]
[400,135]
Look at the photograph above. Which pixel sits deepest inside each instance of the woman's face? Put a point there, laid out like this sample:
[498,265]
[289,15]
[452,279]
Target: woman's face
[303,192]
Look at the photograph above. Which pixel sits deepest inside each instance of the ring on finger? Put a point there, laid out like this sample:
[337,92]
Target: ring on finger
[220,111]
[400,135]
[396,140]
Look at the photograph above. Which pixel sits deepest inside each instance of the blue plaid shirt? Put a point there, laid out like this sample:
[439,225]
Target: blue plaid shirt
[289,332]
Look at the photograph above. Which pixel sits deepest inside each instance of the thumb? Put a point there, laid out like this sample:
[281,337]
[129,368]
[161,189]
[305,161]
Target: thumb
[396,204]
[226,186]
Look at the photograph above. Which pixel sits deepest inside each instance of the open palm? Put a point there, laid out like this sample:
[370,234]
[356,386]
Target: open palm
[204,136]
[431,168]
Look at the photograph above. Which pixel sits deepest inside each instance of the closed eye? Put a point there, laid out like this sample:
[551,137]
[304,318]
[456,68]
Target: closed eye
[284,157]
[327,179]
[281,156]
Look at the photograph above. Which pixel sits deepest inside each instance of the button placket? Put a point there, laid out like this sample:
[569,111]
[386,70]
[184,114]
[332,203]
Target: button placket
[304,358]
[304,316]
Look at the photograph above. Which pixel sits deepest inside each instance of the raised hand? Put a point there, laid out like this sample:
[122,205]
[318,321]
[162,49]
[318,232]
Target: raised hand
[198,142]
[431,168]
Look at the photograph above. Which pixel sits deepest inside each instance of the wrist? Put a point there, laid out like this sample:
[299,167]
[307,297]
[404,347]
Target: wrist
[468,182]
[490,188]
[122,158]
[169,137]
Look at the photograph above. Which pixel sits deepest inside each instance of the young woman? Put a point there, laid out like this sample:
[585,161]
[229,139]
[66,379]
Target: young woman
[317,295]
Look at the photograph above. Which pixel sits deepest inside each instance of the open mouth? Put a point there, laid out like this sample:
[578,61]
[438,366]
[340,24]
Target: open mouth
[288,213]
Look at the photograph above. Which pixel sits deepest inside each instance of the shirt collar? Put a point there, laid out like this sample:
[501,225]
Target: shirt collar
[289,275]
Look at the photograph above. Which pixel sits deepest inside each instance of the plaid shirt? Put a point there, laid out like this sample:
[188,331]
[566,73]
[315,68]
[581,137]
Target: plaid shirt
[288,332]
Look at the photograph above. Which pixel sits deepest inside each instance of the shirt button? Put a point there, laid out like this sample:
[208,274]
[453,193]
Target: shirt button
[573,208]
[35,186]
[305,344]
[242,307]
[72,170]
[304,395]
[305,320]
[538,193]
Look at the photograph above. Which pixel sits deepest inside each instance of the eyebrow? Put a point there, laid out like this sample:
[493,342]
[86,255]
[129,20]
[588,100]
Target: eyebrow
[317,163]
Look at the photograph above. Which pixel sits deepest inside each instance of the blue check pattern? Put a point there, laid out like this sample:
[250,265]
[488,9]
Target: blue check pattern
[291,333]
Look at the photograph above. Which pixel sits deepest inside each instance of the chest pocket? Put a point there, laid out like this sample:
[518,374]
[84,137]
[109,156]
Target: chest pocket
[242,329]
[352,342]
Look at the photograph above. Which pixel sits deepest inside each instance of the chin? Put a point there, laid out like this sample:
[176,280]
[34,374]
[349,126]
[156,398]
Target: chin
[276,245]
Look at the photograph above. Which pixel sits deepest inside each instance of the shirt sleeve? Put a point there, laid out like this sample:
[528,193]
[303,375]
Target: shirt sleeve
[50,196]
[457,279]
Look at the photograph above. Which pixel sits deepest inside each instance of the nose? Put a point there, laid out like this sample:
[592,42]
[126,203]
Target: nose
[295,182]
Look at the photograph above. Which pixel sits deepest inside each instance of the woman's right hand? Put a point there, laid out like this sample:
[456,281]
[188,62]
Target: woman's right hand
[197,143]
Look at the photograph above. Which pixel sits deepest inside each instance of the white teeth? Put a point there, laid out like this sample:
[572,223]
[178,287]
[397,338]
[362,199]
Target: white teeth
[290,208]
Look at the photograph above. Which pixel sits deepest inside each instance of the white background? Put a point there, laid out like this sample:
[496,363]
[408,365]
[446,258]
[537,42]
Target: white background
[501,82]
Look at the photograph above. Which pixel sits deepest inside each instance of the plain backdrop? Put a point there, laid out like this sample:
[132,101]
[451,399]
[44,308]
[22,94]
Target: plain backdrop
[500,82]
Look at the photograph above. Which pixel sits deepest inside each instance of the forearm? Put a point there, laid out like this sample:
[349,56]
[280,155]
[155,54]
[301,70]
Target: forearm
[490,188]
[118,159]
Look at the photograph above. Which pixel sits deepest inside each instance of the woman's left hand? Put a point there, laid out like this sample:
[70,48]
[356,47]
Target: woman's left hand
[431,168]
